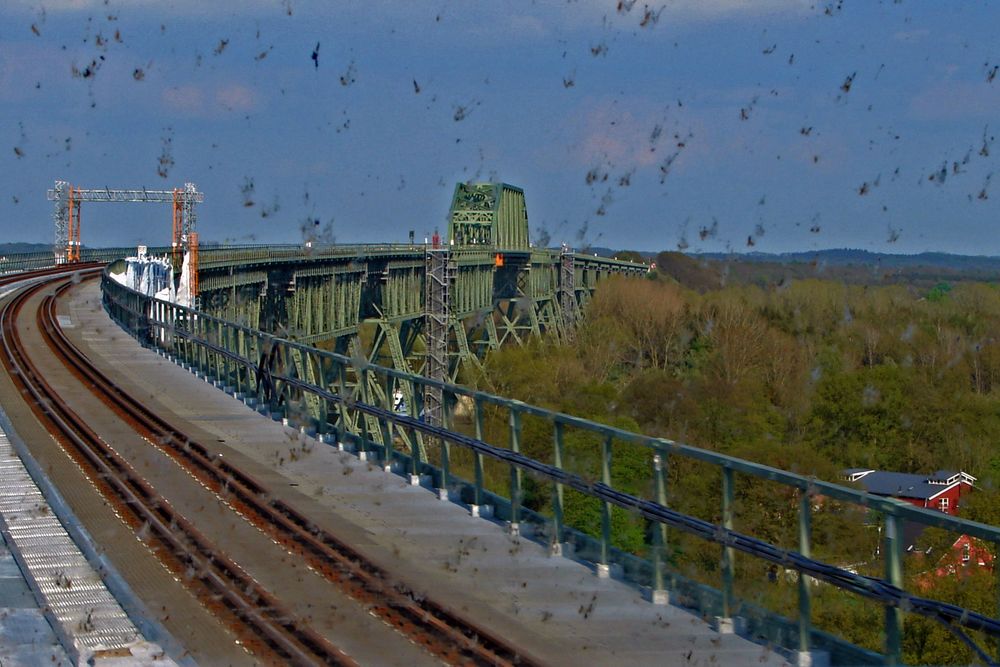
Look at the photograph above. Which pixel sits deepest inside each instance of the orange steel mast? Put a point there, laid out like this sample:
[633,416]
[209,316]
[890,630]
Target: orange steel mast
[73,237]
[178,225]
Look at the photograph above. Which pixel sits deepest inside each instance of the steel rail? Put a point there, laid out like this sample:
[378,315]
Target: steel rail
[429,623]
[20,276]
[256,608]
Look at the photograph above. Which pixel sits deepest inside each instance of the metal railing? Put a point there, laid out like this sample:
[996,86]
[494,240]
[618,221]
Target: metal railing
[219,256]
[251,255]
[351,400]
[30,261]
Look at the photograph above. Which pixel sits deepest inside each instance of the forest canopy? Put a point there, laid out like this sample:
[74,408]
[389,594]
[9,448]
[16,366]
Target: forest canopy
[812,376]
[807,375]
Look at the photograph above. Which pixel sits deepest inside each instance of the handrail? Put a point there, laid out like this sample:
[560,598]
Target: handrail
[214,256]
[899,508]
[230,352]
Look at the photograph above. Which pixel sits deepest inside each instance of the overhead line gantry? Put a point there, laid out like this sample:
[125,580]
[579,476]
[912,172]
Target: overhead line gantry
[67,213]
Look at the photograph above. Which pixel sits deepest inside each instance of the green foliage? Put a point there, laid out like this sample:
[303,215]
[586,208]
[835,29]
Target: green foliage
[938,292]
[811,376]
[983,506]
[630,256]
[584,513]
[926,642]
[867,415]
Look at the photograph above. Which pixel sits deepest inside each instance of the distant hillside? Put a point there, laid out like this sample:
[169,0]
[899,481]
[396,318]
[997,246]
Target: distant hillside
[16,248]
[692,272]
[833,256]
[846,257]
[704,271]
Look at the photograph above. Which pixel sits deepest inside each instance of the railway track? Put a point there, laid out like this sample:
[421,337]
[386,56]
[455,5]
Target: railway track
[11,278]
[423,621]
[222,581]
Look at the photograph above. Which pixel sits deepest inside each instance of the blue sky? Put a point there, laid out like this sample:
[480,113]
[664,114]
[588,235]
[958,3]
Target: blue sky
[769,125]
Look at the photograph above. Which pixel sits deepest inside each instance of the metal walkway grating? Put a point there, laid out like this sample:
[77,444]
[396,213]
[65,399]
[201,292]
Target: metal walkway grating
[81,609]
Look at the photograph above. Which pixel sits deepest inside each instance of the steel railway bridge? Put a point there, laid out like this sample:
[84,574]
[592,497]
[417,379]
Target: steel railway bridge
[326,339]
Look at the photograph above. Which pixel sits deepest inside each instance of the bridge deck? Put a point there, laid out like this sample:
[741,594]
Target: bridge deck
[555,608]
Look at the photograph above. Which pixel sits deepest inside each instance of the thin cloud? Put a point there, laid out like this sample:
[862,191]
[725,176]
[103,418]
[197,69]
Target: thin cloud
[148,7]
[236,97]
[911,35]
[635,135]
[956,100]
[533,21]
[722,8]
[699,10]
[192,100]
[187,100]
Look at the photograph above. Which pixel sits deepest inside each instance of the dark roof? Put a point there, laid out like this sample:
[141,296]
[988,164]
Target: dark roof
[906,485]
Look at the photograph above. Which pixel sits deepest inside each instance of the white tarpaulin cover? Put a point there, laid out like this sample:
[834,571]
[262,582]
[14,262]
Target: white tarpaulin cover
[152,276]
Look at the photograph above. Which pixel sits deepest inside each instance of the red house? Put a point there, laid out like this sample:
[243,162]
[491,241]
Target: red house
[942,490]
[967,556]
[966,552]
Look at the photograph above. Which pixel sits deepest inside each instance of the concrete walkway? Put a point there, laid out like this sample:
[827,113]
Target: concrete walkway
[557,610]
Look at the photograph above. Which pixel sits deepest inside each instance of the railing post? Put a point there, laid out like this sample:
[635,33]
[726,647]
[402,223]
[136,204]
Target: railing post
[478,496]
[416,408]
[388,426]
[190,347]
[211,358]
[342,404]
[726,619]
[187,326]
[659,594]
[893,555]
[284,362]
[805,593]
[515,473]
[227,363]
[445,445]
[417,412]
[555,546]
[199,343]
[604,566]
[322,405]
[222,361]
[996,573]
[240,346]
[362,417]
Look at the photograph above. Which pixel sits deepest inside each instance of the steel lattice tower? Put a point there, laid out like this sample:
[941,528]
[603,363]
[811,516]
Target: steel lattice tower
[567,291]
[439,276]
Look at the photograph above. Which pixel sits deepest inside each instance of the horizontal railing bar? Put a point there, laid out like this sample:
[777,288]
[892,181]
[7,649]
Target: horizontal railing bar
[869,587]
[892,506]
[872,588]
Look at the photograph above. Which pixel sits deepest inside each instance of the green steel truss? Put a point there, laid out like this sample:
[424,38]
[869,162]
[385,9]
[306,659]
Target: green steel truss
[378,305]
[490,214]
[371,302]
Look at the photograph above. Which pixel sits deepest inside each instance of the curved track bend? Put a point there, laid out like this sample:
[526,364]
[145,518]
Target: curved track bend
[270,627]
